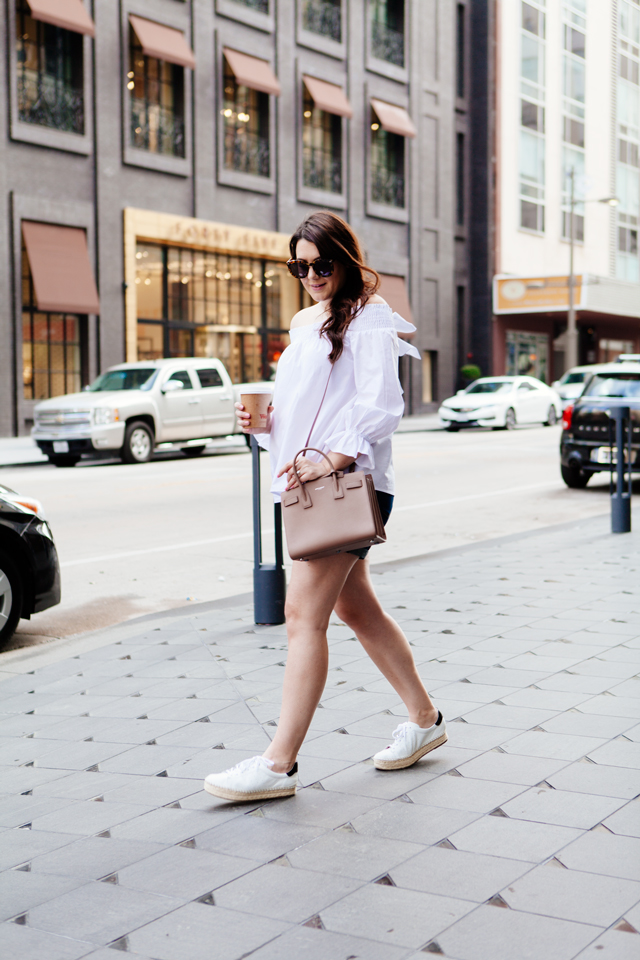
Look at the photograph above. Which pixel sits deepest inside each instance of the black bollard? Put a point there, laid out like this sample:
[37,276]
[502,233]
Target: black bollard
[621,498]
[269,581]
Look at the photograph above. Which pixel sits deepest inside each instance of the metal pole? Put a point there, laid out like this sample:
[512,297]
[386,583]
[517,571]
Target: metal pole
[572,333]
[621,498]
[269,581]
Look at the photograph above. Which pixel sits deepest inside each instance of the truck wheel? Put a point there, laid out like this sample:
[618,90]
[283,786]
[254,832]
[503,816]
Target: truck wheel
[574,477]
[552,417]
[11,594]
[138,443]
[193,451]
[63,461]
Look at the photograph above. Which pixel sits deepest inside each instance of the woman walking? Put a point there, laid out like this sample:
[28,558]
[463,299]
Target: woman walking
[344,348]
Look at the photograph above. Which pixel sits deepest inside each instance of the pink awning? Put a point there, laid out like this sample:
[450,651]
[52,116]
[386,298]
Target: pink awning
[394,290]
[162,42]
[60,268]
[68,14]
[253,72]
[394,119]
[328,96]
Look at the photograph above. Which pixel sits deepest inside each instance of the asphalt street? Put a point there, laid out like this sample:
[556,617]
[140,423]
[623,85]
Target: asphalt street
[139,539]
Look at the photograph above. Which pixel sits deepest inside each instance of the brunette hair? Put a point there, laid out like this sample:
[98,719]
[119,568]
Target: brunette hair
[336,241]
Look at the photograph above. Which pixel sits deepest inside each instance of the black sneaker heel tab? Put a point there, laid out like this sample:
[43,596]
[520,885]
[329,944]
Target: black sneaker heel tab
[294,769]
[439,720]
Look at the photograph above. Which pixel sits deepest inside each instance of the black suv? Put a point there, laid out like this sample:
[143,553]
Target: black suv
[29,569]
[588,436]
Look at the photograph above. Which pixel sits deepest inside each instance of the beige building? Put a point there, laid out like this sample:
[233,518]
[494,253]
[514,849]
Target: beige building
[567,101]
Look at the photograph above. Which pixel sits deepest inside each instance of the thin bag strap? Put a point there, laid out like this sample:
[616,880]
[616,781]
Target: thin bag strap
[315,419]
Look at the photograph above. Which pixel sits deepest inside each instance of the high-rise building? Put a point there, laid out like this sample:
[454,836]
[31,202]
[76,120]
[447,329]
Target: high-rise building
[565,124]
[156,154]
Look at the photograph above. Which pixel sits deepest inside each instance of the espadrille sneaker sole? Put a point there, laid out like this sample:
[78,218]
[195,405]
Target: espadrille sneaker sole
[252,779]
[413,758]
[226,794]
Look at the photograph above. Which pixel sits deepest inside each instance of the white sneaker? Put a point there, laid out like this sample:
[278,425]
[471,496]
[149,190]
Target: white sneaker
[252,779]
[410,742]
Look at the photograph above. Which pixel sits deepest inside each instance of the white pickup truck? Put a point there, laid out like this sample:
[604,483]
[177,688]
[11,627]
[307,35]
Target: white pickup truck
[133,408]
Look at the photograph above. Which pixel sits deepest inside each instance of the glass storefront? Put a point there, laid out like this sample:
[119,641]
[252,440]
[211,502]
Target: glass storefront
[527,355]
[203,304]
[54,346]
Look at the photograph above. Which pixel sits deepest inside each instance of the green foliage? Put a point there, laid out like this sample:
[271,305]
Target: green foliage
[470,371]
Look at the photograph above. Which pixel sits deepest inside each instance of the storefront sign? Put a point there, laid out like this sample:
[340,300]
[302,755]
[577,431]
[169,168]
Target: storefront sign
[224,238]
[534,294]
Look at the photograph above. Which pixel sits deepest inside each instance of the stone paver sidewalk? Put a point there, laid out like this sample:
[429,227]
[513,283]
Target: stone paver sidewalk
[518,840]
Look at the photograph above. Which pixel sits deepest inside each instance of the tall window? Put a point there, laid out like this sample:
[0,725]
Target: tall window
[387,31]
[157,102]
[574,83]
[460,195]
[53,346]
[246,127]
[50,73]
[203,304]
[532,116]
[323,17]
[627,174]
[460,49]
[387,166]
[321,147]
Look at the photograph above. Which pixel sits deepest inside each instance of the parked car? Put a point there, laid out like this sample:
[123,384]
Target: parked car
[588,435]
[29,568]
[571,384]
[501,403]
[132,408]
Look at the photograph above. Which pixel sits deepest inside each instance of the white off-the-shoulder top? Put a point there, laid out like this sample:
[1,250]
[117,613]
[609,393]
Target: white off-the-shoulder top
[363,404]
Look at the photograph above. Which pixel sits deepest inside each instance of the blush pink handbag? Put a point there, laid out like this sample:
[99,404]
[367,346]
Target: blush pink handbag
[333,514]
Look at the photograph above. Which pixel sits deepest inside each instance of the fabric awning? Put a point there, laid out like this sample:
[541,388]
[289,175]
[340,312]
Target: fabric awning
[394,290]
[328,96]
[253,72]
[162,42]
[68,14]
[394,119]
[60,268]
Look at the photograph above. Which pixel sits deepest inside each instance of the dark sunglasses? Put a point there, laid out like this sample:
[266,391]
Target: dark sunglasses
[300,268]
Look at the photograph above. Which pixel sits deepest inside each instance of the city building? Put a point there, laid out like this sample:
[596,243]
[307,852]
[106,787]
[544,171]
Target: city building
[156,154]
[565,118]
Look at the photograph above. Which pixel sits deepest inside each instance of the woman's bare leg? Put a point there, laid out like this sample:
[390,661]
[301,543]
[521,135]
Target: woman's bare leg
[384,641]
[311,597]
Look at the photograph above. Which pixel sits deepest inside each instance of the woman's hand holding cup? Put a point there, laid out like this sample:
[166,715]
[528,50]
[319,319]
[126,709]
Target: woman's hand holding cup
[254,415]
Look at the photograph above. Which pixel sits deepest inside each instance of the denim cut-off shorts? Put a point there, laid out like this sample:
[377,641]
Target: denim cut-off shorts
[385,502]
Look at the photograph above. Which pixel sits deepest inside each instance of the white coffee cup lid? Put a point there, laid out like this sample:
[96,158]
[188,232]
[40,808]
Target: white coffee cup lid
[261,388]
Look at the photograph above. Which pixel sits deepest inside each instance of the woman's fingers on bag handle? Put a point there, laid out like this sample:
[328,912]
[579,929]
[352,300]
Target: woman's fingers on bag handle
[307,470]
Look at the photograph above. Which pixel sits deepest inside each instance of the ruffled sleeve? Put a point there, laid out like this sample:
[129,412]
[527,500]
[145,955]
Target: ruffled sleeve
[405,349]
[377,406]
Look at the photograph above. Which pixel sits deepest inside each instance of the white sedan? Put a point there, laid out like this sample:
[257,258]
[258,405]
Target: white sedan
[501,403]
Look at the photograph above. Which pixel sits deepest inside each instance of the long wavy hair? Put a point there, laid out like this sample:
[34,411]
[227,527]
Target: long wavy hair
[336,241]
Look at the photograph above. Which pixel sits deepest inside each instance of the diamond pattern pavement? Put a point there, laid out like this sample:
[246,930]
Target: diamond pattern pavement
[520,838]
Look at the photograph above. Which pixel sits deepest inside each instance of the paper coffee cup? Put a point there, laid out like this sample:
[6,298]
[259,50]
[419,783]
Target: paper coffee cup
[257,405]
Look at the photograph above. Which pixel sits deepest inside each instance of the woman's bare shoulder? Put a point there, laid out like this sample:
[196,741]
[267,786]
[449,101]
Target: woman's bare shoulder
[305,317]
[376,298]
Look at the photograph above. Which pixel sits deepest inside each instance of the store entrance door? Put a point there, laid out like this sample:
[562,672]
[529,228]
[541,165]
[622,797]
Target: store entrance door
[527,355]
